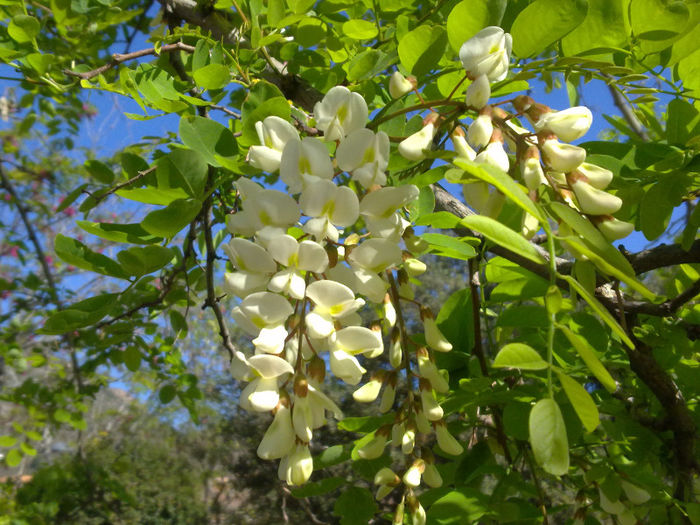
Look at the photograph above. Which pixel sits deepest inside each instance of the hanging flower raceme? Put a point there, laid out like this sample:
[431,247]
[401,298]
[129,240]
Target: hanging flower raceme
[568,125]
[274,133]
[332,301]
[262,393]
[254,265]
[263,315]
[298,257]
[340,112]
[487,53]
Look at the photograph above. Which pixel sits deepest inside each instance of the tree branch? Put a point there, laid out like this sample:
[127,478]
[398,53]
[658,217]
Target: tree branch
[118,58]
[626,110]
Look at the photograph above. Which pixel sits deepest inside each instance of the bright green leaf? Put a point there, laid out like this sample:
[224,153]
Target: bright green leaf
[76,253]
[543,22]
[521,356]
[141,261]
[355,506]
[124,233]
[23,28]
[360,29]
[588,355]
[170,220]
[208,138]
[421,49]
[13,458]
[583,404]
[212,76]
[7,441]
[548,437]
[496,232]
[468,17]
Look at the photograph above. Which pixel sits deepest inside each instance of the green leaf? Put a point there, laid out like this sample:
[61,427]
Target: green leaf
[71,197]
[355,506]
[61,415]
[360,29]
[331,456]
[208,138]
[441,244]
[496,232]
[132,358]
[583,404]
[277,106]
[170,220]
[27,449]
[588,355]
[500,180]
[543,22]
[167,394]
[76,253]
[317,488]
[212,76]
[604,26]
[141,261]
[23,28]
[79,315]
[683,121]
[125,233]
[469,17]
[442,220]
[548,437]
[7,441]
[658,23]
[599,309]
[421,49]
[456,322]
[13,458]
[457,507]
[368,64]
[610,269]
[521,356]
[99,171]
[182,168]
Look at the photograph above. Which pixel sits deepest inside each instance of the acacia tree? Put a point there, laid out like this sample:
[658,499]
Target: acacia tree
[320,134]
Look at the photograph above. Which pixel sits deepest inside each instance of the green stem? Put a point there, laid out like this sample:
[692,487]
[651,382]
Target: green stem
[552,315]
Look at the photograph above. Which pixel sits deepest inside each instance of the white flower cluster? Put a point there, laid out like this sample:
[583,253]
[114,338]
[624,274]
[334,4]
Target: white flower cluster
[542,158]
[300,294]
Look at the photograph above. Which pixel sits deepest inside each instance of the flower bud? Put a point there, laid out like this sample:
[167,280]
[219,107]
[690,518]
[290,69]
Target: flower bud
[300,465]
[422,423]
[461,147]
[398,514]
[614,229]
[433,336]
[494,155]
[593,201]
[636,495]
[417,511]
[480,131]
[278,440]
[408,440]
[595,175]
[562,157]
[395,350]
[414,243]
[431,476]
[414,267]
[428,370]
[530,226]
[411,477]
[446,441]
[413,146]
[369,391]
[431,408]
[400,85]
[479,92]
[388,396]
[569,124]
[386,476]
[375,447]
[531,169]
[389,313]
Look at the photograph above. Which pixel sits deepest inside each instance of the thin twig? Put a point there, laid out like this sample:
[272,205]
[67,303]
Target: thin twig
[139,175]
[626,110]
[118,58]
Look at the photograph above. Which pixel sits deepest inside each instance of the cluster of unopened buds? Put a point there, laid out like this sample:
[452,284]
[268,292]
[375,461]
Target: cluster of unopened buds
[337,242]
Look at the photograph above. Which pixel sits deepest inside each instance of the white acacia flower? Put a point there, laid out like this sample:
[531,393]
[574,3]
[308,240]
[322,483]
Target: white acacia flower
[494,155]
[569,124]
[247,187]
[532,173]
[462,147]
[414,146]
[274,133]
[487,53]
[304,256]
[254,267]
[264,209]
[399,85]
[329,206]
[263,314]
[529,226]
[408,440]
[431,476]
[374,448]
[305,162]
[299,465]
[366,155]
[428,370]
[375,255]
[309,411]
[478,92]
[278,440]
[411,477]
[593,201]
[262,393]
[379,208]
[346,367]
[562,157]
[239,368]
[332,301]
[369,391]
[340,112]
[431,408]
[433,336]
[614,229]
[480,131]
